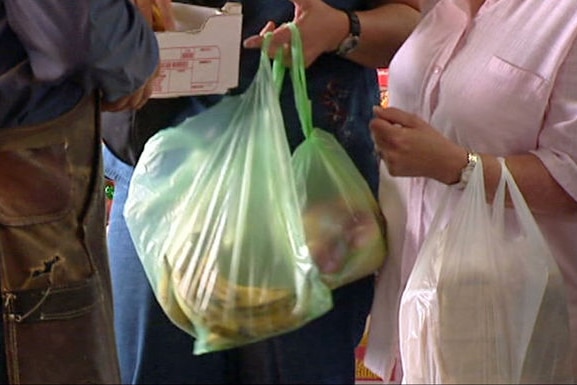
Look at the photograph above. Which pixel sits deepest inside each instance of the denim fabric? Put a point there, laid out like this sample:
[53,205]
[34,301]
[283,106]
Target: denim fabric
[151,349]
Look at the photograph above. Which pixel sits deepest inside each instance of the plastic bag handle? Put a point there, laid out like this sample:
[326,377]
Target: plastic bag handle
[298,76]
[524,215]
[473,196]
[278,69]
[299,81]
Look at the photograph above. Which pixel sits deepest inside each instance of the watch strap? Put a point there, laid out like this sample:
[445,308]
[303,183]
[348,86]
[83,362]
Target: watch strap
[354,23]
[350,42]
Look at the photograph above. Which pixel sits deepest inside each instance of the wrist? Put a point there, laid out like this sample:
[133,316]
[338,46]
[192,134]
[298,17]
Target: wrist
[472,158]
[349,40]
[339,31]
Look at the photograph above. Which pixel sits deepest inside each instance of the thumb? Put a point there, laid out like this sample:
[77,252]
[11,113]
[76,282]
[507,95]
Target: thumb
[379,111]
[300,6]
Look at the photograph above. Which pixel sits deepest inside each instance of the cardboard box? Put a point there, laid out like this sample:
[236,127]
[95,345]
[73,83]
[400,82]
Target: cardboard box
[202,56]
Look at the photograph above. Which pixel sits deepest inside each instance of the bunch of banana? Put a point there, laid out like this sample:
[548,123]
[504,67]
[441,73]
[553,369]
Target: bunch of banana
[236,312]
[221,313]
[167,300]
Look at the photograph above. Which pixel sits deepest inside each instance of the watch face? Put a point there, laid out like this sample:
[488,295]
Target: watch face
[348,45]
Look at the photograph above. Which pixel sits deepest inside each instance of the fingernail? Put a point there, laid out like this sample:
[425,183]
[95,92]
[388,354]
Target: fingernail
[249,43]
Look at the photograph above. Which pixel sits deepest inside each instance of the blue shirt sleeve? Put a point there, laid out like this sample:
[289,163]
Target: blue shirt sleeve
[104,44]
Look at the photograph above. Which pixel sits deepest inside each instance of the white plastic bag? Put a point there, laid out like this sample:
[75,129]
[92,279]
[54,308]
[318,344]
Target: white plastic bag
[485,301]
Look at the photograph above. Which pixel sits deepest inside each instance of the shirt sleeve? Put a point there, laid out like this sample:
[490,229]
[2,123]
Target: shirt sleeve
[557,146]
[104,44]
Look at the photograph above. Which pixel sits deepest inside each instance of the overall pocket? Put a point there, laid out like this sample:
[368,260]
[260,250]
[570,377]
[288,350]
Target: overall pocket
[47,178]
[36,185]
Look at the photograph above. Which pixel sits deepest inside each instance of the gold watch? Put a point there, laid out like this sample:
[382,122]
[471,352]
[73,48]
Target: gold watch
[472,160]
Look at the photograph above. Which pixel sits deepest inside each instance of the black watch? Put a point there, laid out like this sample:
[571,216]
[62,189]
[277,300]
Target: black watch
[352,40]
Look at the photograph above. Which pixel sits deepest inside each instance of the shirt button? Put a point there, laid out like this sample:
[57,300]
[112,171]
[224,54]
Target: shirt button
[437,70]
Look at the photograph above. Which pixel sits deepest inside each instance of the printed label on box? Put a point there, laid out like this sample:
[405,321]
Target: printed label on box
[202,56]
[188,68]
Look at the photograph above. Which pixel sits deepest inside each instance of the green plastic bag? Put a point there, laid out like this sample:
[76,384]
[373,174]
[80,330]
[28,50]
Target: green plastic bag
[215,218]
[343,223]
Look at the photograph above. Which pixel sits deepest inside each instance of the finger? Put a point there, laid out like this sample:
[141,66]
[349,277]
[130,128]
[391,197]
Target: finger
[165,8]
[145,8]
[251,42]
[255,41]
[381,120]
[282,34]
[402,118]
[390,114]
[378,130]
[384,134]
[157,19]
[282,41]
[379,112]
[268,27]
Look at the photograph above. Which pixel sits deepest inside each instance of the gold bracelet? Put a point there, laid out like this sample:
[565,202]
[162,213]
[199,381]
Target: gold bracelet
[472,159]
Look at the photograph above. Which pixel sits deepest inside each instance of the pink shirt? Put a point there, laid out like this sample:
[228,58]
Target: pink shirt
[503,82]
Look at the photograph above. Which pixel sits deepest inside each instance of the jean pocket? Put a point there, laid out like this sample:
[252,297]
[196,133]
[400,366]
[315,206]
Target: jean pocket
[36,184]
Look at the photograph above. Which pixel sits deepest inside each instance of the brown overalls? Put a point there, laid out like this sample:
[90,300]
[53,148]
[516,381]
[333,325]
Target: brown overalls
[57,302]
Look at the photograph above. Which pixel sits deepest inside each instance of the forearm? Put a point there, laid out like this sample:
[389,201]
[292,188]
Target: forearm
[323,28]
[383,30]
[411,147]
[542,193]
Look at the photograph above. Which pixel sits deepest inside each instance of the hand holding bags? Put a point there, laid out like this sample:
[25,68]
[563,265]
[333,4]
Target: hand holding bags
[215,219]
[485,301]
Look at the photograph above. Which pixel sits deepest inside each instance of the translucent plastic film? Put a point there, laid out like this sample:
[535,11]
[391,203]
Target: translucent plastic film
[215,218]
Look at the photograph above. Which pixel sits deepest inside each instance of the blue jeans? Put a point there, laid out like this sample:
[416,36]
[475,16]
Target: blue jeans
[153,350]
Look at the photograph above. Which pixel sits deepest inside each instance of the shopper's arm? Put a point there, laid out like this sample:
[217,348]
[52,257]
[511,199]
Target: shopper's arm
[323,28]
[383,29]
[411,147]
[104,44]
